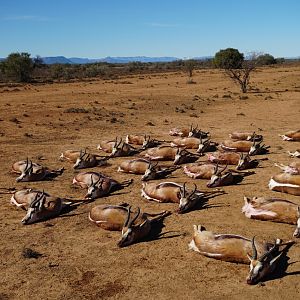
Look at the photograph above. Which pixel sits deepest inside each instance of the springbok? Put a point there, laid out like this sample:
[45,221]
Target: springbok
[118,218]
[206,146]
[145,167]
[104,186]
[121,149]
[70,155]
[186,142]
[293,168]
[295,154]
[143,140]
[42,207]
[178,155]
[24,197]
[33,172]
[188,132]
[237,249]
[293,135]
[88,160]
[253,148]
[241,161]
[274,210]
[285,183]
[85,179]
[106,145]
[245,136]
[175,193]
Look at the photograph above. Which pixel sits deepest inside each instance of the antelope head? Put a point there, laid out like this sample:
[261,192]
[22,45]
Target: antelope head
[262,266]
[95,190]
[219,178]
[117,147]
[80,162]
[203,146]
[257,148]
[26,172]
[132,232]
[181,156]
[149,143]
[297,231]
[34,209]
[243,162]
[151,172]
[187,199]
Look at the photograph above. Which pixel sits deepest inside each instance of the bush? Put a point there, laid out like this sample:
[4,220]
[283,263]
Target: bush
[266,59]
[18,67]
[229,58]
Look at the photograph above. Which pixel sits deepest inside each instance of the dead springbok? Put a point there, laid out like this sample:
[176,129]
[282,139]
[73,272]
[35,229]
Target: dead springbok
[143,140]
[217,177]
[121,149]
[188,132]
[174,193]
[145,167]
[263,256]
[245,136]
[285,183]
[42,207]
[85,179]
[33,172]
[274,210]
[293,135]
[293,168]
[241,161]
[70,155]
[88,160]
[104,186]
[253,148]
[24,197]
[106,145]
[186,142]
[118,218]
[179,156]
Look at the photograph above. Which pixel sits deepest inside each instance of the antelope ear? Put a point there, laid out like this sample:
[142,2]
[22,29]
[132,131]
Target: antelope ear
[142,224]
[249,257]
[275,259]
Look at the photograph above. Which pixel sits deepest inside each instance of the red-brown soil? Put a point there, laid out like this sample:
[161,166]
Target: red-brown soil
[82,261]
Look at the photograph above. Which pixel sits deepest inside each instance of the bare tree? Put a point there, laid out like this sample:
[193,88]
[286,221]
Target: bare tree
[242,75]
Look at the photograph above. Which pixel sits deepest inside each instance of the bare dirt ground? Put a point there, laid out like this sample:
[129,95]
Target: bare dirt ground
[82,261]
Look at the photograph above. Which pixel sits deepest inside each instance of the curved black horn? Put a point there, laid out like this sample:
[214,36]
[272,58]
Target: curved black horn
[254,256]
[194,191]
[135,217]
[128,216]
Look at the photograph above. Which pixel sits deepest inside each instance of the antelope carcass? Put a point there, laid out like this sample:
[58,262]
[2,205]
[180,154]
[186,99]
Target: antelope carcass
[293,168]
[188,132]
[263,256]
[33,172]
[293,135]
[294,154]
[148,169]
[274,210]
[285,183]
[174,193]
[121,149]
[88,160]
[245,136]
[118,218]
[253,148]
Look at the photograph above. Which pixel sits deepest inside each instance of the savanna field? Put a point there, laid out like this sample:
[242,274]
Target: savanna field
[82,261]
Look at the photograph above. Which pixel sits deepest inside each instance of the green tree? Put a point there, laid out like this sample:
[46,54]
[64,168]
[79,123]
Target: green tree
[266,59]
[18,67]
[190,65]
[229,58]
[235,66]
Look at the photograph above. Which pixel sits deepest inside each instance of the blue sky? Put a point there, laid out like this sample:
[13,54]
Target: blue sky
[187,28]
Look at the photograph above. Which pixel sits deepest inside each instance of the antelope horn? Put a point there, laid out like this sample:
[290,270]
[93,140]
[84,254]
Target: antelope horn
[184,189]
[241,155]
[216,168]
[128,216]
[223,169]
[135,217]
[29,167]
[92,181]
[27,162]
[194,191]
[120,142]
[254,256]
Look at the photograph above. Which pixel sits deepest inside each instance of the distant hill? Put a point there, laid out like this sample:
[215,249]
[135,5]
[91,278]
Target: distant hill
[77,60]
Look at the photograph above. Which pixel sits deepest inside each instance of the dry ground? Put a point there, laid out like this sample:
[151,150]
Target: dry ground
[81,261]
